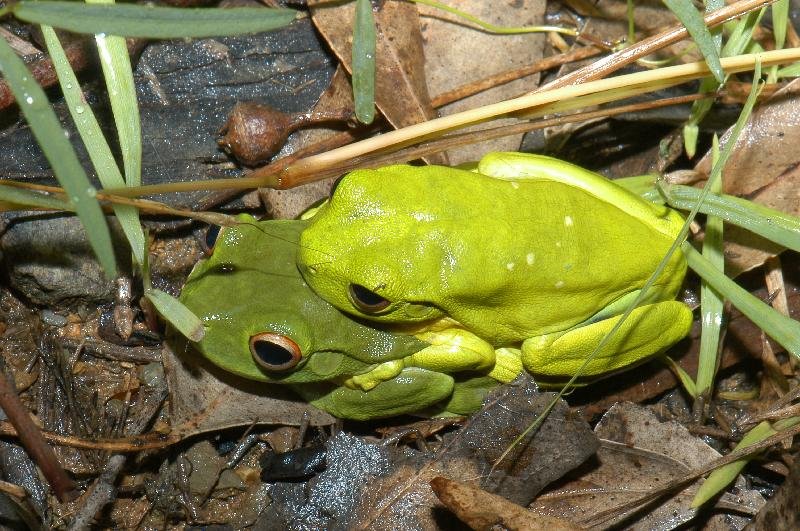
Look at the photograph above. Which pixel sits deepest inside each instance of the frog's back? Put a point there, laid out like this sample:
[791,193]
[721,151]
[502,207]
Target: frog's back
[509,259]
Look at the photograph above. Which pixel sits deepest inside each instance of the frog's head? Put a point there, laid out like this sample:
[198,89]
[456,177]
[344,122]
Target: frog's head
[263,322]
[354,270]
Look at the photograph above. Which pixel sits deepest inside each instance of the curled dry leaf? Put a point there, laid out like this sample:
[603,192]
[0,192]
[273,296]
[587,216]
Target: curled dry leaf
[289,204]
[255,132]
[400,90]
[403,499]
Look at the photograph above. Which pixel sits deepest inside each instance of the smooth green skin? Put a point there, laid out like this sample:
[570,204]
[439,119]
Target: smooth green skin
[251,284]
[524,250]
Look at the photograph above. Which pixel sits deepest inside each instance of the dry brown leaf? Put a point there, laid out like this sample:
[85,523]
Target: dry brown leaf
[404,498]
[763,167]
[204,398]
[456,54]
[400,90]
[640,453]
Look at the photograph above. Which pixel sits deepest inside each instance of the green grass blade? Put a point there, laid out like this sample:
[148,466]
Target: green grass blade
[177,314]
[774,225]
[683,376]
[741,38]
[364,62]
[59,152]
[780,19]
[793,70]
[710,300]
[151,22]
[29,198]
[96,145]
[719,479]
[782,329]
[693,20]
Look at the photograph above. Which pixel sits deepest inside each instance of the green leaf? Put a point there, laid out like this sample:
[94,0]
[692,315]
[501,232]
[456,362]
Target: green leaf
[151,22]
[96,145]
[793,70]
[364,62]
[693,20]
[59,152]
[177,314]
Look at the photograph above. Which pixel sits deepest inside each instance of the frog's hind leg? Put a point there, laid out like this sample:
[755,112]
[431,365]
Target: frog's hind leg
[649,330]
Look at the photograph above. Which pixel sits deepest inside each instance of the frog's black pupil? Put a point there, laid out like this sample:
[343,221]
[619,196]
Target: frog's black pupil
[367,299]
[272,354]
[212,233]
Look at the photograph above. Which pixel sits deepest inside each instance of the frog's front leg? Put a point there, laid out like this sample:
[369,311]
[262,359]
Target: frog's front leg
[411,390]
[648,330]
[450,351]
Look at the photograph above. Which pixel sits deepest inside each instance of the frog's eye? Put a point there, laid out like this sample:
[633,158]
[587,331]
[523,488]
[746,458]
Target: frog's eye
[367,301]
[208,239]
[274,352]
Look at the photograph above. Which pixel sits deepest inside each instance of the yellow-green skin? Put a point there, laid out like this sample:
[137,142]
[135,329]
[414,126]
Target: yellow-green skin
[525,250]
[250,285]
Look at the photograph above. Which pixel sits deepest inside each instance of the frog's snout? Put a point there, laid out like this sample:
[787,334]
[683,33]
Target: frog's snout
[275,352]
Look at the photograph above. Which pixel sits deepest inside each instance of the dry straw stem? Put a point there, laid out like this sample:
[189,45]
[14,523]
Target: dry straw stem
[540,103]
[330,163]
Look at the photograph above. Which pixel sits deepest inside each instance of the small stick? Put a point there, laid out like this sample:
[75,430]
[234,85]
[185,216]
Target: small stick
[32,440]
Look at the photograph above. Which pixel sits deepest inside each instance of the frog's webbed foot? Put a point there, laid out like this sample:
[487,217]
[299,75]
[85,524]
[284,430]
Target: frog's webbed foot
[649,330]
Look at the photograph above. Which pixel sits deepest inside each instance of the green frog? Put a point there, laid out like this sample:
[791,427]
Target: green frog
[521,250]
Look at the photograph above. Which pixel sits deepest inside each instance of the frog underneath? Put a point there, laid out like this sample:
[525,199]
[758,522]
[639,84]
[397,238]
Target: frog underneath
[263,322]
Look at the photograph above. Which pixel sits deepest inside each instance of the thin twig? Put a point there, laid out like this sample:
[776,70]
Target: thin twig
[34,443]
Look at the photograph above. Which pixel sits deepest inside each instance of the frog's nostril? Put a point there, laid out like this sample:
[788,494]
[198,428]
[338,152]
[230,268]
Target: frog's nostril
[274,352]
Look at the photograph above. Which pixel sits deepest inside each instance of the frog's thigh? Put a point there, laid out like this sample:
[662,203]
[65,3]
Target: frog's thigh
[648,330]
[413,389]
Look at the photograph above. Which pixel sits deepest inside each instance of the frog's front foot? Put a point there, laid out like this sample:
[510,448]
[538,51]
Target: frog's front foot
[649,330]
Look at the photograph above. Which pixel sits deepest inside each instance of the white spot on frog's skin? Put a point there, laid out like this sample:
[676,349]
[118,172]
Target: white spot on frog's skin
[510,266]
[514,185]
[567,221]
[559,284]
[558,244]
[530,258]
